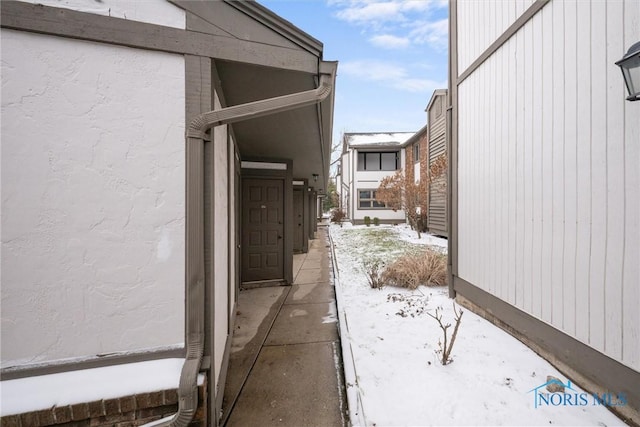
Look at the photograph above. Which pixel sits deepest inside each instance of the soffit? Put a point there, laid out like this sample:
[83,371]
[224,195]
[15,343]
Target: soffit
[293,134]
[294,60]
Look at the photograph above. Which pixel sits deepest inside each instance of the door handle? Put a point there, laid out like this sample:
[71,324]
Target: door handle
[279,237]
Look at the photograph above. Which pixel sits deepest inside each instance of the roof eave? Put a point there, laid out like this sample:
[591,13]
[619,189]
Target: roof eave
[436,93]
[278,24]
[416,137]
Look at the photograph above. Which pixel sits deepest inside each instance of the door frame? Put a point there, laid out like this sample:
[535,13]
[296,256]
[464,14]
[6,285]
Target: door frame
[250,168]
[302,185]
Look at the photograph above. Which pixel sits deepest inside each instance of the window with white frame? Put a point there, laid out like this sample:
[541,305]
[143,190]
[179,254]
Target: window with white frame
[416,152]
[367,200]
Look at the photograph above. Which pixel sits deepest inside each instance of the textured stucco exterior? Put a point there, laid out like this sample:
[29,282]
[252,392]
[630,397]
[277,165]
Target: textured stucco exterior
[92,198]
[116,228]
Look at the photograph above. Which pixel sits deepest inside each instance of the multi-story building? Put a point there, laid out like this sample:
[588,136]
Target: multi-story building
[367,158]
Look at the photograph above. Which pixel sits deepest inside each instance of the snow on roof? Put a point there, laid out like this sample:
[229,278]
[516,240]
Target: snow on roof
[68,388]
[377,138]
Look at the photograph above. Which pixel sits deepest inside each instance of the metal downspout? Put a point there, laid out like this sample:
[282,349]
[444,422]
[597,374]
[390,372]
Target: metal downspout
[195,289]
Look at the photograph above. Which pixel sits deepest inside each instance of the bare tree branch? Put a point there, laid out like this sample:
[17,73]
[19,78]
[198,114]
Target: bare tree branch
[446,349]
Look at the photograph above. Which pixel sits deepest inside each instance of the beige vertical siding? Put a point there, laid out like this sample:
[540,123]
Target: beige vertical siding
[494,16]
[437,218]
[549,150]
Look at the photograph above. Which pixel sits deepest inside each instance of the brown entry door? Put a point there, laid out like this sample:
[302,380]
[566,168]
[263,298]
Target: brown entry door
[263,229]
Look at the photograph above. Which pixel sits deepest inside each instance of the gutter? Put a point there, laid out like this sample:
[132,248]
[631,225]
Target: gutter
[194,275]
[205,121]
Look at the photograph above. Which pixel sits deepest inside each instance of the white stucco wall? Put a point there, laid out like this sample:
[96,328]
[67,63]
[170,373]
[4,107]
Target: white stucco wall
[92,198]
[159,12]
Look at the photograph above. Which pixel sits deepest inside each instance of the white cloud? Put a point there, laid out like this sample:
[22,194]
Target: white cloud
[362,12]
[420,5]
[419,85]
[388,41]
[373,70]
[390,75]
[387,19]
[432,33]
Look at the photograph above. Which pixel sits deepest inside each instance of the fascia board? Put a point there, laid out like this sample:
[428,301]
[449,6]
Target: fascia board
[436,93]
[278,24]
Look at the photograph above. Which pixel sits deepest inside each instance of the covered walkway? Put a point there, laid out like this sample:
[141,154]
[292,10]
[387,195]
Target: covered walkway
[285,366]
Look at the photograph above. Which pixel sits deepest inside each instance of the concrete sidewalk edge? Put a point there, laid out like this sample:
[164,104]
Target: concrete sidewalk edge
[354,399]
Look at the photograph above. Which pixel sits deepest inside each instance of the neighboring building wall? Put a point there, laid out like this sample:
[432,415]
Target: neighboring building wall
[345,183]
[418,172]
[92,198]
[437,218]
[370,181]
[547,206]
[419,169]
[355,179]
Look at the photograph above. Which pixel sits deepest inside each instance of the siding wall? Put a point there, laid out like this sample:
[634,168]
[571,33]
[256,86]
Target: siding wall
[437,218]
[485,21]
[548,150]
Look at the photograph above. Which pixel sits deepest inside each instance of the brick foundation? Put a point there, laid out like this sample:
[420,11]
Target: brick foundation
[125,411]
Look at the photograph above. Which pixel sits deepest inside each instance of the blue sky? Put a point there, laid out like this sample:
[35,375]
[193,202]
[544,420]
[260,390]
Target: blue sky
[392,54]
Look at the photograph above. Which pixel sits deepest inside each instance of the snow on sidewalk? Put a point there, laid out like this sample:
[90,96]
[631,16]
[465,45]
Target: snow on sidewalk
[399,378]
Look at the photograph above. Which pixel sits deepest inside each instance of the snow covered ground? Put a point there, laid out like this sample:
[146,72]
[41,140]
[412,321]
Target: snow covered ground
[493,377]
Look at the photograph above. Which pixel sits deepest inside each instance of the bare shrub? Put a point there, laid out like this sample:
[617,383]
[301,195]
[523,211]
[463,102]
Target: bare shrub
[337,215]
[374,270]
[401,191]
[445,349]
[412,270]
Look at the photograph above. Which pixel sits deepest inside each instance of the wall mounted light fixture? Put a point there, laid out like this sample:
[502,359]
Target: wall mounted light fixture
[630,66]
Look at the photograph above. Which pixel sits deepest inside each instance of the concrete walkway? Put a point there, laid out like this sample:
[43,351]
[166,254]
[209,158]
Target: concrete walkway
[285,367]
